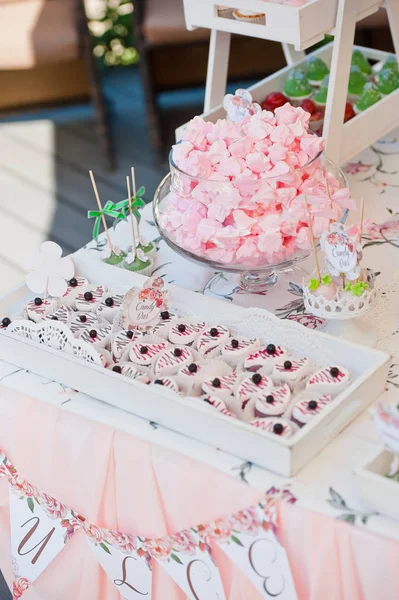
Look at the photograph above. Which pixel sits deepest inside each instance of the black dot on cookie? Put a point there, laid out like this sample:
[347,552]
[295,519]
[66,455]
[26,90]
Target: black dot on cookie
[109,302]
[278,428]
[334,371]
[214,332]
[216,382]
[270,399]
[129,334]
[6,321]
[287,365]
[38,301]
[93,333]
[54,318]
[181,328]
[165,315]
[312,405]
[256,378]
[234,343]
[271,349]
[88,296]
[73,282]
[82,318]
[159,382]
[143,350]
[193,368]
[117,369]
[177,352]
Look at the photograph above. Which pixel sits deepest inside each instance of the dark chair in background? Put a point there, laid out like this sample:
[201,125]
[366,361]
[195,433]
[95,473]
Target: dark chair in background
[172,57]
[46,58]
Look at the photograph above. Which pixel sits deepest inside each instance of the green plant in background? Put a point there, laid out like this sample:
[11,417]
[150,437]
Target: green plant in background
[110,23]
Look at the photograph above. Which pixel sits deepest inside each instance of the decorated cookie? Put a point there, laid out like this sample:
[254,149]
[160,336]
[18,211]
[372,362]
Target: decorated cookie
[81,321]
[276,426]
[220,386]
[109,306]
[62,314]
[129,370]
[254,385]
[211,340]
[123,340]
[39,308]
[265,358]
[185,333]
[89,300]
[330,380]
[273,403]
[291,371]
[167,382]
[144,354]
[219,405]
[191,370]
[76,285]
[308,406]
[170,361]
[239,347]
[98,336]
[162,327]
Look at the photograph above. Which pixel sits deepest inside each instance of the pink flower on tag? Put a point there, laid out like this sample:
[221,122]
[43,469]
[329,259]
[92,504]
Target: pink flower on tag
[184,542]
[246,521]
[23,486]
[20,586]
[124,541]
[52,507]
[220,529]
[158,548]
[95,534]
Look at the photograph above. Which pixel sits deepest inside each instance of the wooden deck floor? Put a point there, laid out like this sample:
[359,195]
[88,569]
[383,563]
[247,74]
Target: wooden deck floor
[45,190]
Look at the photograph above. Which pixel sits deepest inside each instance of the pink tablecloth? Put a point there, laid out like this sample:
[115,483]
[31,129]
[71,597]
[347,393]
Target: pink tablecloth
[121,482]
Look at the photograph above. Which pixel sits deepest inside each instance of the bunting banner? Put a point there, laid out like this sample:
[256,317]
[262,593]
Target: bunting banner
[41,526]
[125,562]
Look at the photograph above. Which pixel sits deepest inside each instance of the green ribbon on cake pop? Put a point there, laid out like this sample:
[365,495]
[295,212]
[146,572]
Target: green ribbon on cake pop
[137,203]
[116,211]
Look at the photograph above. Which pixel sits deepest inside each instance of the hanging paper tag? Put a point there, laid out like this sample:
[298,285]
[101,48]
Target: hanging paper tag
[142,308]
[119,555]
[189,562]
[340,250]
[249,540]
[40,528]
[239,106]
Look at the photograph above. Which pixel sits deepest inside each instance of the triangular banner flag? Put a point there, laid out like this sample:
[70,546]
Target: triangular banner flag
[188,561]
[40,528]
[121,557]
[248,538]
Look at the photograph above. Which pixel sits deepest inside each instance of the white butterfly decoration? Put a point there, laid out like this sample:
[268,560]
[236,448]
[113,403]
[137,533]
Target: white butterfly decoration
[50,271]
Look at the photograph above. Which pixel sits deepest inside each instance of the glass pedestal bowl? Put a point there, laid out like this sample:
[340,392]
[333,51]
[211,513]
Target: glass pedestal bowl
[253,277]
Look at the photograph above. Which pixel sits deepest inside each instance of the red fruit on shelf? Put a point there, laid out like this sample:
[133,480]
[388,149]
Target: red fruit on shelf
[316,116]
[274,100]
[309,106]
[349,112]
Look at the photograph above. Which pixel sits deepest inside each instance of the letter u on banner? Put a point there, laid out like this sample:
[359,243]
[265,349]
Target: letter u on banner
[40,528]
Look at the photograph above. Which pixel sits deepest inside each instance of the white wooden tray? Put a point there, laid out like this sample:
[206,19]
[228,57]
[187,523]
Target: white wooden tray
[368,368]
[301,26]
[358,133]
[378,492]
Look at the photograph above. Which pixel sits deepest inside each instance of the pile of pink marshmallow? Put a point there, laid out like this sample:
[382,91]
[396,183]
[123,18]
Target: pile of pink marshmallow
[239,192]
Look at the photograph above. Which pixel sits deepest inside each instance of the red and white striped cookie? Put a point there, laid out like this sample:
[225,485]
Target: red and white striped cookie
[330,380]
[239,348]
[220,385]
[76,285]
[212,339]
[308,407]
[219,405]
[161,328]
[123,340]
[291,371]
[279,427]
[129,370]
[185,333]
[92,299]
[169,362]
[38,308]
[167,382]
[62,314]
[265,357]
[273,403]
[253,385]
[144,354]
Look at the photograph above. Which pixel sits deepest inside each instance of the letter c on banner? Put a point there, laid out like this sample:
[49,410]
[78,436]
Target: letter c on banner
[123,581]
[190,583]
[265,577]
[43,543]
